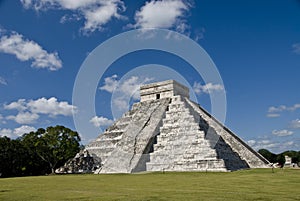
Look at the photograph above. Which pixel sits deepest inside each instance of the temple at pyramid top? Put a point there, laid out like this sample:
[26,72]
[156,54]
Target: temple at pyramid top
[165,89]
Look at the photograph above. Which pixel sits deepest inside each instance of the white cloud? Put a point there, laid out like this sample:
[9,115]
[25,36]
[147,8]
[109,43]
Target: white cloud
[19,105]
[274,111]
[51,106]
[124,90]
[28,50]
[207,88]
[99,16]
[263,144]
[101,121]
[17,131]
[282,133]
[273,146]
[277,109]
[131,86]
[6,132]
[162,14]
[127,88]
[283,108]
[296,48]
[96,13]
[121,103]
[251,142]
[23,129]
[110,84]
[273,115]
[29,110]
[3,81]
[295,124]
[24,118]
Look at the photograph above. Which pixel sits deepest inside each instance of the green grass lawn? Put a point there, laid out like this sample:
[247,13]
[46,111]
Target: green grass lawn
[257,184]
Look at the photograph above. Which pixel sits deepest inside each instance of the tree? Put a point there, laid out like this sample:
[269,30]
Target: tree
[280,159]
[13,158]
[268,155]
[54,146]
[34,165]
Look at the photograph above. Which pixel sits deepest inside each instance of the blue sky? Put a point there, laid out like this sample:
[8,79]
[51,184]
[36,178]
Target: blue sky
[255,45]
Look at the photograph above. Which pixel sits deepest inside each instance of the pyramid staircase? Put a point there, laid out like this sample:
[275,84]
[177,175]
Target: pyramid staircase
[182,144]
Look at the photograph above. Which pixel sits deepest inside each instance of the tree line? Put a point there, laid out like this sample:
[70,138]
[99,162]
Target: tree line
[280,158]
[39,152]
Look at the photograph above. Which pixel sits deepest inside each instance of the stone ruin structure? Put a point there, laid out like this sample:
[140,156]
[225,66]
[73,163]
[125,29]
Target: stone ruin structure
[83,162]
[166,131]
[288,161]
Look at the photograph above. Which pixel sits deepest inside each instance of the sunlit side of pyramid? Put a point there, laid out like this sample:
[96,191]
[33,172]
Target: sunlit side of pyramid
[166,131]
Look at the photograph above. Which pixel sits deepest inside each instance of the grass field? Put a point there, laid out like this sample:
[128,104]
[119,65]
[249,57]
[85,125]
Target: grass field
[257,184]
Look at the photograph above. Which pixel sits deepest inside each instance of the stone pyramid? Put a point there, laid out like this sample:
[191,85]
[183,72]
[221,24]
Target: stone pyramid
[166,131]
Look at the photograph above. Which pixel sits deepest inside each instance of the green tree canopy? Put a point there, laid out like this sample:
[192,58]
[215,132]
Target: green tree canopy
[54,145]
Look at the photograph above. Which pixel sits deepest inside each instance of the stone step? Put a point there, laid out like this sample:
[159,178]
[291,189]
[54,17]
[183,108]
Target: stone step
[190,165]
[181,127]
[192,140]
[187,142]
[187,119]
[181,133]
[178,108]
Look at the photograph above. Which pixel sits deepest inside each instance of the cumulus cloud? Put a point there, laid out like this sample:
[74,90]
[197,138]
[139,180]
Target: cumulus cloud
[99,16]
[96,13]
[282,133]
[272,145]
[101,121]
[127,90]
[17,131]
[6,132]
[3,81]
[128,87]
[29,110]
[274,111]
[24,117]
[251,142]
[266,144]
[110,84]
[19,105]
[124,90]
[50,106]
[28,50]
[207,88]
[283,108]
[23,129]
[121,103]
[163,14]
[295,124]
